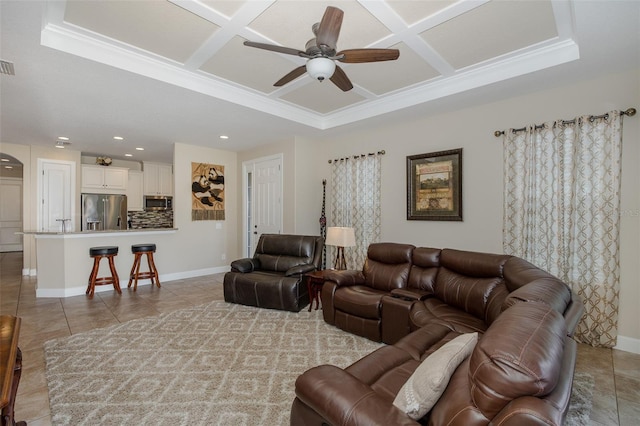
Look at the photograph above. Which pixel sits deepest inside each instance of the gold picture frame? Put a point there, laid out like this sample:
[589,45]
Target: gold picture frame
[434,186]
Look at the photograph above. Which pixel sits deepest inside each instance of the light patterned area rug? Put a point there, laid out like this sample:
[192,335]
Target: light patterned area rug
[579,413]
[216,364]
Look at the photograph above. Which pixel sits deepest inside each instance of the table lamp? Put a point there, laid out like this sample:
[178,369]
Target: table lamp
[341,237]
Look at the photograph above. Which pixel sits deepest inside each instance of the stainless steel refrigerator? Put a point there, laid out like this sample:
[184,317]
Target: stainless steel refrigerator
[103,211]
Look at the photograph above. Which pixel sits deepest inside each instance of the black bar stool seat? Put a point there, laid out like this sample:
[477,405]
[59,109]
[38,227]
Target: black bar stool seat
[99,253]
[138,250]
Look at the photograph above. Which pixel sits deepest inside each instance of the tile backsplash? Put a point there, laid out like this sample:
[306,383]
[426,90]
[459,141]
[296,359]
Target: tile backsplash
[151,219]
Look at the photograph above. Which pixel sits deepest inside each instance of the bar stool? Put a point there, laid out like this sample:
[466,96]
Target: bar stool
[138,250]
[98,253]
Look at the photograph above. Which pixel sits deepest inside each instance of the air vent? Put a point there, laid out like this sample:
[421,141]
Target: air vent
[6,67]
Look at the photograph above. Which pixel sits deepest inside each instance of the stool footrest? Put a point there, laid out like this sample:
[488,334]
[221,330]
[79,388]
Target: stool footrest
[99,253]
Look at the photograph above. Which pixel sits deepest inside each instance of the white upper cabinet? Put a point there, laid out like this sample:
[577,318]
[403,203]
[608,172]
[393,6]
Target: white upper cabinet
[134,191]
[158,179]
[103,179]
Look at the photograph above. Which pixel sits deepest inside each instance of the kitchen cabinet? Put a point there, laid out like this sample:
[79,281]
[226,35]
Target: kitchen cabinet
[135,199]
[103,179]
[158,179]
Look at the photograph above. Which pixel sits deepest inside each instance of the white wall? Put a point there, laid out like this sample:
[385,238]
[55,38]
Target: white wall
[200,245]
[308,186]
[473,130]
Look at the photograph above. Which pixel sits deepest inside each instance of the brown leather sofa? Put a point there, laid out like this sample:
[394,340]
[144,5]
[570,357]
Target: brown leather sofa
[519,373]
[273,277]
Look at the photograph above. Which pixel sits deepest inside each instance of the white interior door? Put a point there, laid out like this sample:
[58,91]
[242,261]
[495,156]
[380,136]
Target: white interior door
[263,180]
[10,214]
[56,190]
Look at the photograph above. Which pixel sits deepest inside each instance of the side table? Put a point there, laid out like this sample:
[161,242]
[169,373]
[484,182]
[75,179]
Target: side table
[315,280]
[10,368]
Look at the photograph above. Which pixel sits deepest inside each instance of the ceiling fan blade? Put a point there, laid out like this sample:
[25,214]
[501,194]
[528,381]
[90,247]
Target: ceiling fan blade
[353,56]
[274,48]
[291,76]
[329,28]
[340,79]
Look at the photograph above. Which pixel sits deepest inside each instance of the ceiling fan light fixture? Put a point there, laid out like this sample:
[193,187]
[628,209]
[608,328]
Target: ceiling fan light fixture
[321,68]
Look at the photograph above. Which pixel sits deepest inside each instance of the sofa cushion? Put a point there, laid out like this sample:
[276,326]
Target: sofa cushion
[287,245]
[279,263]
[360,301]
[519,272]
[550,290]
[424,269]
[434,311]
[474,264]
[387,266]
[519,355]
[469,293]
[265,290]
[428,382]
[280,252]
[387,369]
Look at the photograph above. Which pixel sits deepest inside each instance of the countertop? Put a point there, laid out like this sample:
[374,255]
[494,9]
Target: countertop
[97,233]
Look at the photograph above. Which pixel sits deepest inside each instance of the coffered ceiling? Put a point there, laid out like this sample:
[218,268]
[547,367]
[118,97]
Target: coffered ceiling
[160,72]
[445,47]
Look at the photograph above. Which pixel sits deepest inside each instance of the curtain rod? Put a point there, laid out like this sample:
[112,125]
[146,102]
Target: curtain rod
[629,112]
[382,152]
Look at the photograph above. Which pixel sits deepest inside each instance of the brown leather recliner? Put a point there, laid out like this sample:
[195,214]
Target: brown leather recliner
[352,300]
[273,277]
[519,373]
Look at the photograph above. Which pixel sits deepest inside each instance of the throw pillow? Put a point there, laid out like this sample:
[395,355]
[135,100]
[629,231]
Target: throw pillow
[425,386]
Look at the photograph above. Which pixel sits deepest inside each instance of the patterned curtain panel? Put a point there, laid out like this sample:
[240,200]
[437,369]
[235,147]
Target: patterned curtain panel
[561,211]
[355,202]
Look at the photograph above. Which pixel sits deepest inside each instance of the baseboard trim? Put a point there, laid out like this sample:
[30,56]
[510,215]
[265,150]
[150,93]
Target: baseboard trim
[195,273]
[77,291]
[628,344]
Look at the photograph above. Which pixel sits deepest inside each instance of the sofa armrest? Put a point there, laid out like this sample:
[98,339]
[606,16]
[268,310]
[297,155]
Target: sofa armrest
[528,410]
[410,294]
[300,269]
[341,399]
[574,313]
[344,278]
[245,265]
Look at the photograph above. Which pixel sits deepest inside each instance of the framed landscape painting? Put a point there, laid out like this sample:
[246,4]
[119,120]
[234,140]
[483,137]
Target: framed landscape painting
[434,186]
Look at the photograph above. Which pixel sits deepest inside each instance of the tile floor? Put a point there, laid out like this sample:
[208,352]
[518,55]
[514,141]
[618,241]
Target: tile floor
[616,399]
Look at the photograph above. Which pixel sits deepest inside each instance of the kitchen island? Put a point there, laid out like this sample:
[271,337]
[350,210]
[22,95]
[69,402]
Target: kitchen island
[64,265]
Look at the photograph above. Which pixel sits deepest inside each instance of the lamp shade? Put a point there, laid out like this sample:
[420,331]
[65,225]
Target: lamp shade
[340,236]
[321,68]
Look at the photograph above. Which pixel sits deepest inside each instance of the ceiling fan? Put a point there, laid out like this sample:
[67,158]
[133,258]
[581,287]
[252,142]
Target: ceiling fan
[321,54]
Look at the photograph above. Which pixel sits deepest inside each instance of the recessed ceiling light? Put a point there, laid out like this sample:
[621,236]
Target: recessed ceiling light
[60,144]
[118,138]
[139,149]
[4,159]
[8,167]
[63,138]
[128,155]
[224,137]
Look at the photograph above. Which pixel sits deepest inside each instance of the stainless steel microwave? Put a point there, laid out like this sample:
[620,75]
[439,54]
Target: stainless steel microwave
[155,202]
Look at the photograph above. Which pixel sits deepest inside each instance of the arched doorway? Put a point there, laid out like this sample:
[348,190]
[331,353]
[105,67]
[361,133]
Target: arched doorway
[11,208]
